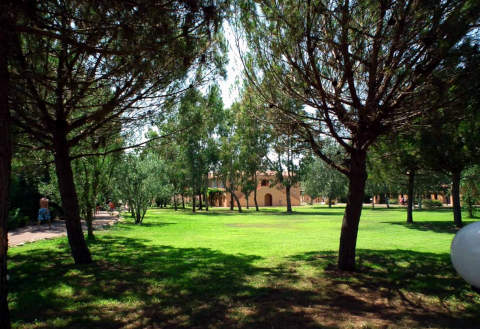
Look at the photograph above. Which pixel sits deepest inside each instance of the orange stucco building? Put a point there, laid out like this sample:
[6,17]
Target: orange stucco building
[267,195]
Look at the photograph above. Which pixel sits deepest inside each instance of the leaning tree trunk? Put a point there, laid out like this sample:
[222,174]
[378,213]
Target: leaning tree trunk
[356,193]
[5,169]
[457,209]
[238,202]
[411,182]
[69,198]
[289,200]
[231,200]
[255,198]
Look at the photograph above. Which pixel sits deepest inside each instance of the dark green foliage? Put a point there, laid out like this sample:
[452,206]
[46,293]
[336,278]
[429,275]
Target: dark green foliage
[431,204]
[356,64]
[16,219]
[24,197]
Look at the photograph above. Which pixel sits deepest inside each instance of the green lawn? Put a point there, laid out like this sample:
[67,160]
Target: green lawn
[222,269]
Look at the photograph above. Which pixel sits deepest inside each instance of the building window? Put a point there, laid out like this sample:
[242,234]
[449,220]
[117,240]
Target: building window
[264,182]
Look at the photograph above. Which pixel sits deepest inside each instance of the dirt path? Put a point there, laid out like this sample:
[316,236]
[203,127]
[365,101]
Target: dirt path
[39,232]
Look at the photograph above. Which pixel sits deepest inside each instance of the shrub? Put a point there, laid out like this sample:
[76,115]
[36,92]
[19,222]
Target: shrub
[431,204]
[16,219]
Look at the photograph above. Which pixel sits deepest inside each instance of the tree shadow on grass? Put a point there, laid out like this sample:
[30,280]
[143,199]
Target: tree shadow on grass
[403,287]
[433,226]
[136,285]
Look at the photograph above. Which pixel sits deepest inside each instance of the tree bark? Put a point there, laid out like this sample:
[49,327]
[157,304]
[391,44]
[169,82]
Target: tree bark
[88,202]
[238,202]
[356,192]
[457,209]
[183,202]
[387,201]
[205,198]
[175,202]
[246,198]
[138,214]
[5,168]
[411,182]
[329,202]
[255,198]
[194,202]
[231,200]
[79,248]
[131,206]
[420,201]
[200,203]
[289,200]
[89,220]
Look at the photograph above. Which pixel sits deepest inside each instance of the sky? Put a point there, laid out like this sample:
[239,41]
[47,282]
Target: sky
[234,70]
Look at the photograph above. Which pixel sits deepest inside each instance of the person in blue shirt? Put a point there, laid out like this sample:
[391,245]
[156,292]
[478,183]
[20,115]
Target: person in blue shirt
[44,212]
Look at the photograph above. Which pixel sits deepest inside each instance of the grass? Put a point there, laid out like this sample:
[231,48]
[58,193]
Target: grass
[254,270]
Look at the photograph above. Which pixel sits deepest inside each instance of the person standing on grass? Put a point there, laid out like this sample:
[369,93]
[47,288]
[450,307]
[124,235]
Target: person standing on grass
[44,212]
[111,205]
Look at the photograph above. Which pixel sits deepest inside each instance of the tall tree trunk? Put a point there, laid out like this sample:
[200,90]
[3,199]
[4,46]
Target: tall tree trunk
[387,201]
[138,214]
[470,206]
[353,211]
[457,209]
[194,202]
[373,201]
[200,204]
[289,200]
[89,220]
[420,197]
[329,202]
[175,202]
[411,182]
[66,185]
[205,198]
[131,206]
[255,198]
[231,200]
[183,201]
[5,166]
[238,202]
[88,187]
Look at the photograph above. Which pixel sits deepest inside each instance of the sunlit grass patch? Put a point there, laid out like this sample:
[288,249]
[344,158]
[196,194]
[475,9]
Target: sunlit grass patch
[252,270]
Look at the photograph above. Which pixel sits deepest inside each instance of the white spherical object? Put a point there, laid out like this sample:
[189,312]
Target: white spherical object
[465,253]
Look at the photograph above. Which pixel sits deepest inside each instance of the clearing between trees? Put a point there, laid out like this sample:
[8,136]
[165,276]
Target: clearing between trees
[221,269]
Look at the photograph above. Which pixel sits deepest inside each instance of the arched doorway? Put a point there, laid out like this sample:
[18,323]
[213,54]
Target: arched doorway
[268,200]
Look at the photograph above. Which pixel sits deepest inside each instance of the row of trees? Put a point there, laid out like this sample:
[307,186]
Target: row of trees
[71,68]
[74,74]
[361,68]
[230,144]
